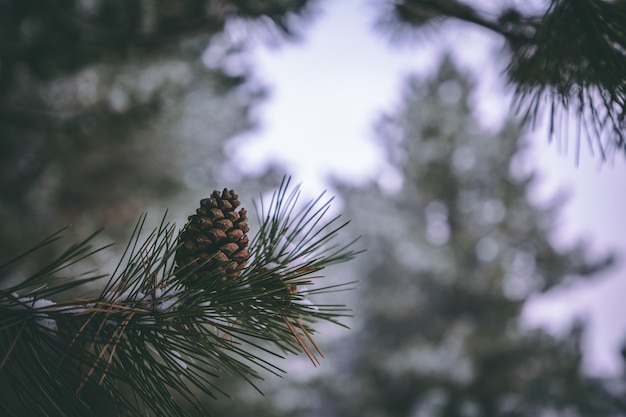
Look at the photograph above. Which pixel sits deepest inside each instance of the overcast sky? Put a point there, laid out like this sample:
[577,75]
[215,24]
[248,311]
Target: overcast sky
[327,91]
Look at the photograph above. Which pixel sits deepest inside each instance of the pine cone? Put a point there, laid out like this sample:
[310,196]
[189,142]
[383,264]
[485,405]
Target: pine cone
[216,237]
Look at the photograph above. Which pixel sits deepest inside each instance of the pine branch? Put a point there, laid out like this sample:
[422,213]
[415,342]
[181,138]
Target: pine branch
[574,65]
[569,62]
[159,335]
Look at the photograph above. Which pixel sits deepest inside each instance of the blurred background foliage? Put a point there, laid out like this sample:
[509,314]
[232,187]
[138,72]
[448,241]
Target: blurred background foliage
[111,108]
[108,108]
[453,255]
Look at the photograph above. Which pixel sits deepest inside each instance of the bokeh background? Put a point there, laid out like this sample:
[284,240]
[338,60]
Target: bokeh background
[492,284]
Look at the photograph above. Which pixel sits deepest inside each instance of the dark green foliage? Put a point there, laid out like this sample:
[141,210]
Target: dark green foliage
[57,38]
[567,60]
[149,344]
[88,90]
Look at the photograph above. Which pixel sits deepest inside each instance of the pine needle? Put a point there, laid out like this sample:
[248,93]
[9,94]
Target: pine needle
[152,344]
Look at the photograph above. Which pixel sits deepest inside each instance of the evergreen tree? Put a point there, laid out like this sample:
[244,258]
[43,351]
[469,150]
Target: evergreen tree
[564,58]
[452,257]
[454,254]
[101,100]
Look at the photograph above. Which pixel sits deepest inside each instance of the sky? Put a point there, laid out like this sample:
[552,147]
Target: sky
[327,91]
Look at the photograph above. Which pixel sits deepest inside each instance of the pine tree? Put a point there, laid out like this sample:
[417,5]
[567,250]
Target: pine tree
[174,317]
[459,250]
[99,101]
[452,256]
[566,58]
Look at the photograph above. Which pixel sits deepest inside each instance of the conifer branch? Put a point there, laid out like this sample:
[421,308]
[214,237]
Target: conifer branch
[154,341]
[568,63]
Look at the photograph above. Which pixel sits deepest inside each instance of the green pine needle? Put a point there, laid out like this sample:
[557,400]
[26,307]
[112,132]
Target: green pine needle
[568,63]
[149,345]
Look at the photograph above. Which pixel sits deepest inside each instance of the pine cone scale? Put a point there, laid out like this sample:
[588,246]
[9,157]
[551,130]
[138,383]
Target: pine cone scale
[224,224]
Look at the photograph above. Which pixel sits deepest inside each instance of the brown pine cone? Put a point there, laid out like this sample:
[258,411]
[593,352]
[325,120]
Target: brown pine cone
[216,237]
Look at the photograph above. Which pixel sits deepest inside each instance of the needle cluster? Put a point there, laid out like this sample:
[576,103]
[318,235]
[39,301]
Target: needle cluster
[150,344]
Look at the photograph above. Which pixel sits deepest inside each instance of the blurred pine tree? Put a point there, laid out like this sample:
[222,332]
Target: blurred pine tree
[456,252]
[453,255]
[100,102]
